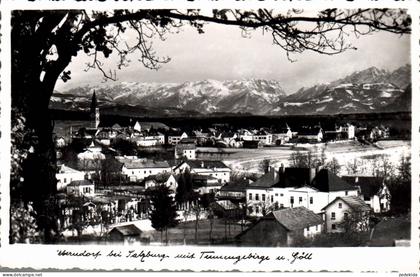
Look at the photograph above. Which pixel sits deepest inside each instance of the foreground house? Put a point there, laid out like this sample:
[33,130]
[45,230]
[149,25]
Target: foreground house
[284,227]
[373,190]
[128,234]
[81,188]
[66,175]
[216,169]
[348,212]
[137,169]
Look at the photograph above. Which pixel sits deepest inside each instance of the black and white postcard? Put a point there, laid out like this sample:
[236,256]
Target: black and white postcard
[210,136]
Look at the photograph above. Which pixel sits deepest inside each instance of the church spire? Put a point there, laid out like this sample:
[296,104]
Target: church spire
[94,111]
[93,103]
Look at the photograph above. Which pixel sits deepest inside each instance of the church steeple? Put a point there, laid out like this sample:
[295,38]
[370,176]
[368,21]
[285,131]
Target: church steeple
[94,111]
[93,103]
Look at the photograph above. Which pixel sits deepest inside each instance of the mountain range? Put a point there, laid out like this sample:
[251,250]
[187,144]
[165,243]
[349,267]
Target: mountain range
[369,90]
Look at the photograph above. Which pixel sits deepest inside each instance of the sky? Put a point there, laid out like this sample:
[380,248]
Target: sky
[221,53]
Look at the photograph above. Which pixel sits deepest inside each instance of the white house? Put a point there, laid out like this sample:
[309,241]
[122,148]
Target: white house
[295,187]
[81,188]
[346,212]
[176,137]
[187,150]
[373,190]
[138,169]
[265,137]
[216,169]
[66,175]
[164,179]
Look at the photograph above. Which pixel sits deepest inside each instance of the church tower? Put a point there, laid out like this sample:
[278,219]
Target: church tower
[94,112]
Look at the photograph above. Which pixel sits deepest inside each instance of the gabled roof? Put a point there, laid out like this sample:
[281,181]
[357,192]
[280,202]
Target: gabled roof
[226,204]
[354,202]
[238,186]
[80,183]
[369,185]
[66,169]
[135,164]
[265,181]
[294,177]
[326,181]
[296,218]
[127,230]
[195,164]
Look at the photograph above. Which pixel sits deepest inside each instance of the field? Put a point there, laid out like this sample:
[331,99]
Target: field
[240,159]
[221,232]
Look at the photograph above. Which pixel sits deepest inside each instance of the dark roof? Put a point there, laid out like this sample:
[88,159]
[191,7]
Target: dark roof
[185,146]
[187,141]
[127,230]
[134,164]
[327,181]
[296,218]
[354,202]
[265,181]
[294,177]
[238,186]
[160,178]
[80,183]
[369,185]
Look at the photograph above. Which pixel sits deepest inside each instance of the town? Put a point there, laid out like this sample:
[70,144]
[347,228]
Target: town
[152,184]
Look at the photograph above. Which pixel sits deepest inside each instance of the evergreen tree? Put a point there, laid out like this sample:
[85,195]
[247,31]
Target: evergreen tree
[163,211]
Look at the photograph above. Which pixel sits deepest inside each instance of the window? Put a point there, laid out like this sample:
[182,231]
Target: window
[65,180]
[145,172]
[300,200]
[257,210]
[150,171]
[311,200]
[340,205]
[332,215]
[307,229]
[132,172]
[316,228]
[276,194]
[272,199]
[333,227]
[250,196]
[281,206]
[346,192]
[292,200]
[281,194]
[263,197]
[257,196]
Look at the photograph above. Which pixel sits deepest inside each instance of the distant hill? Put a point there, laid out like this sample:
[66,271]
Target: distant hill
[369,90]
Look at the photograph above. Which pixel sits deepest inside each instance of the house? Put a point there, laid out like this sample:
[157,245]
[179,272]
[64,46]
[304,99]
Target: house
[373,190]
[346,212]
[329,187]
[204,184]
[137,169]
[81,188]
[258,193]
[283,135]
[168,180]
[216,169]
[174,136]
[280,228]
[311,134]
[226,209]
[245,135]
[234,191]
[66,175]
[128,234]
[185,150]
[263,136]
